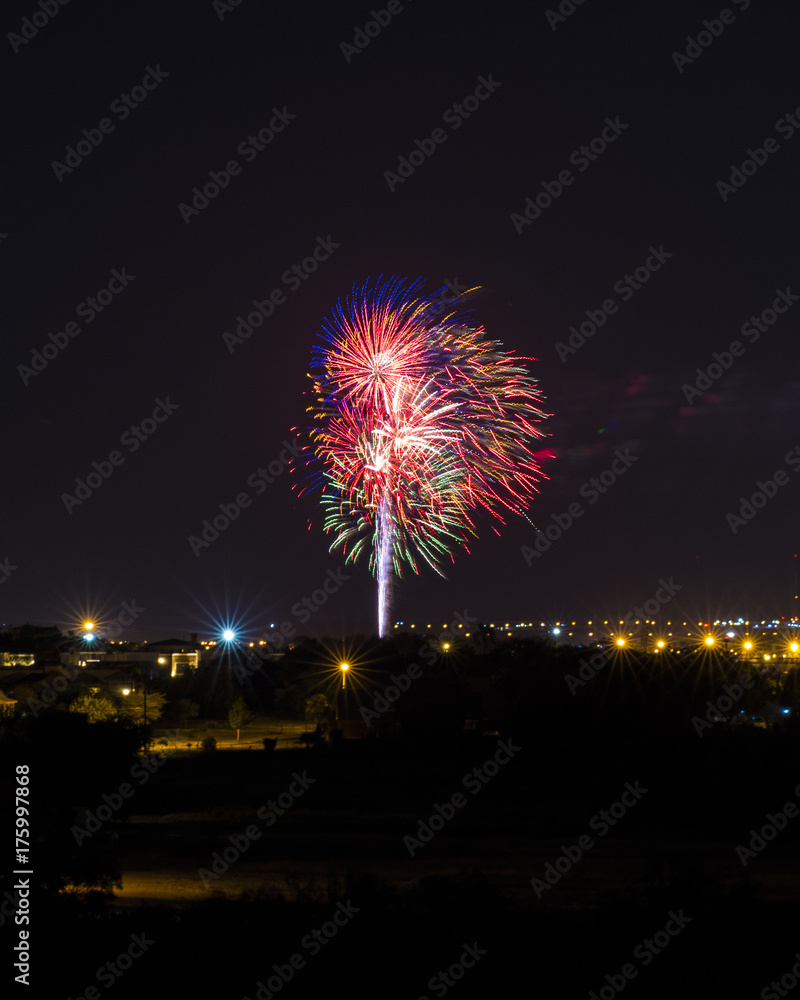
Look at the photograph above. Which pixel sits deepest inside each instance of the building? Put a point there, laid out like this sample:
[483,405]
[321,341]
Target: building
[166,658]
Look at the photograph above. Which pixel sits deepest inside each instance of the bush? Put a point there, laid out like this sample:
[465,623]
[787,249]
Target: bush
[269,744]
[208,744]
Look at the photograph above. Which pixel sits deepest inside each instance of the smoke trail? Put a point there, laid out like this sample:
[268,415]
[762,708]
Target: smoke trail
[384,574]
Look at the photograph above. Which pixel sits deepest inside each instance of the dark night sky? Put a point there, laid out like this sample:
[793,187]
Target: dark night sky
[161,336]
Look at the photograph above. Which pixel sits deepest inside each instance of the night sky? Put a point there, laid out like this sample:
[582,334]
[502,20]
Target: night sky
[202,79]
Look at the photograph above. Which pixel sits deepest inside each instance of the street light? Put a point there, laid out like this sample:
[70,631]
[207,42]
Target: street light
[126,691]
[343,667]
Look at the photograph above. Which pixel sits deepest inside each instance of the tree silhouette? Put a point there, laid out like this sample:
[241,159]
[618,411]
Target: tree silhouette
[239,716]
[186,709]
[317,709]
[96,707]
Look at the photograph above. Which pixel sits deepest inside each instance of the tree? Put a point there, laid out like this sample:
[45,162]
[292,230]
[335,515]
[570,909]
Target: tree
[239,716]
[96,707]
[318,709]
[50,745]
[26,696]
[186,709]
[133,706]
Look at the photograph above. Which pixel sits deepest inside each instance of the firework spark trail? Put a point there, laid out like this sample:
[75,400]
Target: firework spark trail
[420,421]
[384,544]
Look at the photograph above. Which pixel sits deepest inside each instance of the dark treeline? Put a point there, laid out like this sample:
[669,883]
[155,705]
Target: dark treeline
[585,730]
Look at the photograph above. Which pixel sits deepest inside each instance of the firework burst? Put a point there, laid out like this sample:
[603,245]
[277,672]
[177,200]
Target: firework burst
[420,422]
